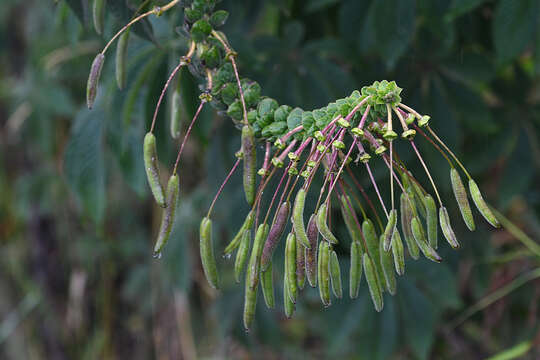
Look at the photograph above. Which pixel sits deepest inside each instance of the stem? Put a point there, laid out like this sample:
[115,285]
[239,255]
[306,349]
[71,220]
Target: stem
[221,187]
[417,128]
[341,169]
[449,151]
[187,134]
[427,171]
[366,197]
[409,109]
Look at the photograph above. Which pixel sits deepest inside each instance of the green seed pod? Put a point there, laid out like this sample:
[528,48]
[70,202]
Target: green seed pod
[461,198]
[276,231]
[207,253]
[298,217]
[335,275]
[417,194]
[267,284]
[355,273]
[311,252]
[254,268]
[398,253]
[420,238]
[235,242]
[98,12]
[250,302]
[372,242]
[176,114]
[168,215]
[389,230]
[242,255]
[287,303]
[324,230]
[290,260]
[93,79]
[481,204]
[348,216]
[387,264]
[431,220]
[323,273]
[151,166]
[447,228]
[121,59]
[406,217]
[373,283]
[250,163]
[300,265]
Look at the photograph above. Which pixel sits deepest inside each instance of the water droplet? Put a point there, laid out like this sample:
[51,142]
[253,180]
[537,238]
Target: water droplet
[157,255]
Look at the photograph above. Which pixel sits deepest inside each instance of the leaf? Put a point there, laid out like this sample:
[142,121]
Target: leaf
[513,27]
[84,164]
[461,7]
[81,9]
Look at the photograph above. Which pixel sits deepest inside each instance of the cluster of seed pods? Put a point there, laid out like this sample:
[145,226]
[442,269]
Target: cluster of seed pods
[330,142]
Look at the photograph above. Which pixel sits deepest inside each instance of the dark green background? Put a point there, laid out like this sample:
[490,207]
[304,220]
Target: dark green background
[77,280]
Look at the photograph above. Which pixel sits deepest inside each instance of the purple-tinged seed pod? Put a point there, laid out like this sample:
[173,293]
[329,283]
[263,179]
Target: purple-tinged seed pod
[300,265]
[250,163]
[311,252]
[275,235]
[93,79]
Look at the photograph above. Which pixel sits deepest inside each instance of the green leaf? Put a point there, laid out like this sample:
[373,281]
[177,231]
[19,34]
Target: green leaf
[460,7]
[80,8]
[513,27]
[84,164]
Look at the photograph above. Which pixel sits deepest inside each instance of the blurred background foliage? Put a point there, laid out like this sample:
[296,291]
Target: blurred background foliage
[77,222]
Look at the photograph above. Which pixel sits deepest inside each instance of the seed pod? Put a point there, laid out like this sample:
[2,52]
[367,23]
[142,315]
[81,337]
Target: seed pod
[250,163]
[298,217]
[398,253]
[420,238]
[98,12]
[207,253]
[250,302]
[431,220]
[323,227]
[290,260]
[335,275]
[418,196]
[447,228]
[311,252]
[93,79]
[267,284]
[235,242]
[276,231]
[389,230]
[461,198]
[152,171]
[387,265]
[406,217]
[300,265]
[254,268]
[372,242]
[121,58]
[481,204]
[348,217]
[323,273]
[168,215]
[287,303]
[242,255]
[176,114]
[355,273]
[373,283]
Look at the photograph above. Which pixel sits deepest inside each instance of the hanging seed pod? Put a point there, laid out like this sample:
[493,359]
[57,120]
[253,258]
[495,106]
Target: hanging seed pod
[242,255]
[168,215]
[207,253]
[121,59]
[298,217]
[406,217]
[235,242]
[372,242]
[323,273]
[420,238]
[275,234]
[350,223]
[417,194]
[93,79]
[461,198]
[98,12]
[355,273]
[287,303]
[254,265]
[300,265]
[290,260]
[250,302]
[151,166]
[481,204]
[250,163]
[389,230]
[387,264]
[335,275]
[323,226]
[447,228]
[398,253]
[431,220]
[311,252]
[176,109]
[267,284]
[373,283]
